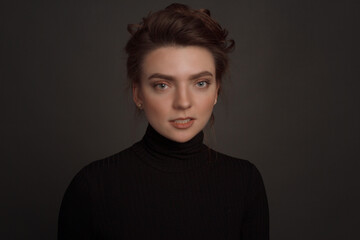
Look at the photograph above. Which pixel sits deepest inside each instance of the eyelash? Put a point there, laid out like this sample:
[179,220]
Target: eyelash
[204,81]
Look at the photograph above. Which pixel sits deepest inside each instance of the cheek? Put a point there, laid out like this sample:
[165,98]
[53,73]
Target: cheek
[156,107]
[207,104]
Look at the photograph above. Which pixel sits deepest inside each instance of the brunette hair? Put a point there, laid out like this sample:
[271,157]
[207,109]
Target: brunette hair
[177,25]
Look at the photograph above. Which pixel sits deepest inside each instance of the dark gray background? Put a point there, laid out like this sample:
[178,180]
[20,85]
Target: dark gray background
[290,106]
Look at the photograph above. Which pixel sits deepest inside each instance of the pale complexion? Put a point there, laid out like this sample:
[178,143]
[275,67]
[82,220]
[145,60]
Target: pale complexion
[177,82]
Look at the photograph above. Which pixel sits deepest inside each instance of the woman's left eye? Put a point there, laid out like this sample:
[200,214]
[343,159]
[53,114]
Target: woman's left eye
[202,84]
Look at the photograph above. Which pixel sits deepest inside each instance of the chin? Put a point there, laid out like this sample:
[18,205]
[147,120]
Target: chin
[178,135]
[182,137]
[181,140]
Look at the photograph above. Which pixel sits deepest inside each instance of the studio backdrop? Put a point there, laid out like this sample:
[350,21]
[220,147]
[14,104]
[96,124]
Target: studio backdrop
[289,105]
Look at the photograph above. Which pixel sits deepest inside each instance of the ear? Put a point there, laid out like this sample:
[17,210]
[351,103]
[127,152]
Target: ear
[217,90]
[217,93]
[136,94]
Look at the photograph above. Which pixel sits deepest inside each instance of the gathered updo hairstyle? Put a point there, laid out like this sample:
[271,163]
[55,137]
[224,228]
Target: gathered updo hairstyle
[177,25]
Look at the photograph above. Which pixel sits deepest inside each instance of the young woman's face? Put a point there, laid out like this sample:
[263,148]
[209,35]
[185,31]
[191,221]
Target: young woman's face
[178,90]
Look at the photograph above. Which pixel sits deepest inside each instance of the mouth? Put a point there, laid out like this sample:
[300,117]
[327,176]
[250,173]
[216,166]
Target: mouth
[182,123]
[182,120]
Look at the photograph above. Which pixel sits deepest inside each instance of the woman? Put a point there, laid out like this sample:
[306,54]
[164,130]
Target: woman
[170,185]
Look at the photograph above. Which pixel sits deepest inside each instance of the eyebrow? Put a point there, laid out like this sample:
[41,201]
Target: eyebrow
[170,78]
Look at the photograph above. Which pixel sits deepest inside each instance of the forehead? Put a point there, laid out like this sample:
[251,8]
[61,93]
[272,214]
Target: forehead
[178,61]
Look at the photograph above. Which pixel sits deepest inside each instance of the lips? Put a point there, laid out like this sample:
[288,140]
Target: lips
[182,123]
[182,119]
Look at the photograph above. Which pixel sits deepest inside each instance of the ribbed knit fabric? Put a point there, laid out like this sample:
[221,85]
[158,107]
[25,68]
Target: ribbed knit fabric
[162,189]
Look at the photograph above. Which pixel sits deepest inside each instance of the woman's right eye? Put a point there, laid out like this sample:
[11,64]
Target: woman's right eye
[160,86]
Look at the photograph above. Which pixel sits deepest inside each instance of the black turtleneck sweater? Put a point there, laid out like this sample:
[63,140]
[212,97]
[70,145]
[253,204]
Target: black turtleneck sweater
[162,189]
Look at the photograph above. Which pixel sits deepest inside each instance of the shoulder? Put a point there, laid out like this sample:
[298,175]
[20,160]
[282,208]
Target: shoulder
[236,166]
[116,162]
[232,161]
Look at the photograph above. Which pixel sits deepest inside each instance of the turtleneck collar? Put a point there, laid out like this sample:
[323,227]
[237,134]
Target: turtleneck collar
[168,155]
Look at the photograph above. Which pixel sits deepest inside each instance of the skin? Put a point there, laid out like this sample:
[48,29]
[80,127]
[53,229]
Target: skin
[177,82]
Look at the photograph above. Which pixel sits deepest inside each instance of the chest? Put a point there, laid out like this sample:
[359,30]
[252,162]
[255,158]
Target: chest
[172,207]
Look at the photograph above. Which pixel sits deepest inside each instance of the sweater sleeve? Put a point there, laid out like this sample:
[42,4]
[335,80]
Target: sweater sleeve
[256,220]
[75,212]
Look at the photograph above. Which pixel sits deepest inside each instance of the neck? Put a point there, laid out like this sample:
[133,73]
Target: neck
[169,155]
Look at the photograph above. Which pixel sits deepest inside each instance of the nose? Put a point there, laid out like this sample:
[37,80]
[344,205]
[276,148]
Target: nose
[182,99]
